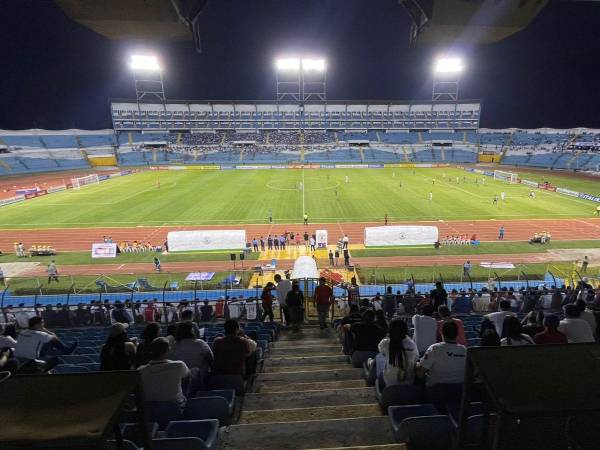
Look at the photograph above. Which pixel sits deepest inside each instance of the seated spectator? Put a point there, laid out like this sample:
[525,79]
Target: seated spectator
[6,339]
[194,352]
[400,354]
[143,354]
[587,315]
[533,323]
[462,304]
[489,338]
[497,318]
[162,377]
[380,320]
[120,314]
[365,336]
[119,352]
[425,325]
[187,316]
[206,312]
[574,327]
[444,313]
[550,335]
[37,342]
[513,335]
[444,362]
[232,351]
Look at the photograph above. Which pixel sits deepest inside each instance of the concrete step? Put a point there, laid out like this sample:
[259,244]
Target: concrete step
[307,368]
[311,333]
[369,447]
[277,361]
[288,343]
[311,413]
[313,434]
[308,399]
[274,378]
[322,350]
[295,387]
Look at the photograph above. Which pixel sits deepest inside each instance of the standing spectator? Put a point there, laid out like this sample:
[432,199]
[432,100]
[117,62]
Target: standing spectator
[206,312]
[162,377]
[323,301]
[262,244]
[283,287]
[584,264]
[550,335]
[331,263]
[587,315]
[467,269]
[400,353]
[305,239]
[574,327]
[345,242]
[439,295]
[425,325]
[312,243]
[353,292]
[389,303]
[346,257]
[118,353]
[336,255]
[497,318]
[269,242]
[295,304]
[444,313]
[267,302]
[255,244]
[232,351]
[501,233]
[513,336]
[444,362]
[144,354]
[52,272]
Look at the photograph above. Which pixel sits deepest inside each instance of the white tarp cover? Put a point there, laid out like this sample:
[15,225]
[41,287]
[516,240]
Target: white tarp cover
[180,241]
[305,267]
[497,265]
[400,235]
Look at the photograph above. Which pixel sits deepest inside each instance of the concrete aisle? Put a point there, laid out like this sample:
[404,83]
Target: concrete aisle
[309,397]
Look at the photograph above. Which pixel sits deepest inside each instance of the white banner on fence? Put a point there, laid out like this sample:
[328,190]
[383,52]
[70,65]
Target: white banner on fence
[497,265]
[321,238]
[529,183]
[567,192]
[104,250]
[400,235]
[180,241]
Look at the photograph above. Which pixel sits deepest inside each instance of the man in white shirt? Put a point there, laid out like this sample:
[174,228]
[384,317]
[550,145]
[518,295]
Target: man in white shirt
[345,241]
[162,377]
[444,362]
[38,343]
[497,318]
[587,315]
[22,316]
[576,329]
[283,287]
[425,325]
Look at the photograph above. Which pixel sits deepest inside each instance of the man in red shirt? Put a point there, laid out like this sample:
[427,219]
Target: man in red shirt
[550,335]
[323,302]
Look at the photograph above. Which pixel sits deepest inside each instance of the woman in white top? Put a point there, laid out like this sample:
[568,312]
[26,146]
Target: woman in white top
[400,354]
[511,332]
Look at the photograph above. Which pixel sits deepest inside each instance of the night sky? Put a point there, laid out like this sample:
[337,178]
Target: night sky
[57,74]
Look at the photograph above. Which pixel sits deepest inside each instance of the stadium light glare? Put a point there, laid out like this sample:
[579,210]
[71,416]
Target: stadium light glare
[315,65]
[144,62]
[291,64]
[449,65]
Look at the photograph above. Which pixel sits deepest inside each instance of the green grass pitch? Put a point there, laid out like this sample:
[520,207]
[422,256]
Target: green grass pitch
[194,197]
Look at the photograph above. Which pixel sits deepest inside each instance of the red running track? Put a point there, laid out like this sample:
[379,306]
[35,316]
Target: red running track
[81,239]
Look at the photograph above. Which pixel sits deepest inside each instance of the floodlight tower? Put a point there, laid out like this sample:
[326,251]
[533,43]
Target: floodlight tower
[147,75]
[446,78]
[301,80]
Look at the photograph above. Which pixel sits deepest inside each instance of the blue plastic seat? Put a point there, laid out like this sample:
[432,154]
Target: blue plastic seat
[91,367]
[130,431]
[207,430]
[399,413]
[400,394]
[227,394]
[207,408]
[75,359]
[425,433]
[70,368]
[188,443]
[235,382]
[163,412]
[444,395]
[85,350]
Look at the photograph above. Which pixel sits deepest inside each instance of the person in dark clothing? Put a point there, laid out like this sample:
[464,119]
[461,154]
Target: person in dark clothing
[232,351]
[120,314]
[206,312]
[267,302]
[533,323]
[365,335]
[144,354]
[389,303]
[439,296]
[380,320]
[295,303]
[119,352]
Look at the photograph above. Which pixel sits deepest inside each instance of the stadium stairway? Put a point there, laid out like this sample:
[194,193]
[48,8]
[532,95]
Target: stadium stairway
[309,397]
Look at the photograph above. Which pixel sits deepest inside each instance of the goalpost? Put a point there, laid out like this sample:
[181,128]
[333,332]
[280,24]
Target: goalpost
[510,177]
[78,183]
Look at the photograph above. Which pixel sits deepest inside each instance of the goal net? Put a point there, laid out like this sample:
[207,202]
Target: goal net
[78,183]
[509,177]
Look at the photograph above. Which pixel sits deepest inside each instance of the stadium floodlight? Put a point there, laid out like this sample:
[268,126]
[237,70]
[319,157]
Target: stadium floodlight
[144,62]
[449,65]
[316,65]
[287,64]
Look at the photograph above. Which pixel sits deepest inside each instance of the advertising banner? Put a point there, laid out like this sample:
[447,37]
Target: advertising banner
[180,241]
[397,166]
[592,198]
[252,167]
[104,250]
[567,192]
[204,167]
[327,166]
[321,238]
[200,276]
[279,166]
[10,201]
[400,235]
[529,183]
[36,194]
[351,166]
[375,166]
[227,167]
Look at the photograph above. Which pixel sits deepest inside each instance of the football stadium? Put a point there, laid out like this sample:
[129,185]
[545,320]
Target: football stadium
[297,272]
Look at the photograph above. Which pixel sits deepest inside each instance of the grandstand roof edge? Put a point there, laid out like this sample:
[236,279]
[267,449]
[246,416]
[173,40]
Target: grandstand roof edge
[328,102]
[68,132]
